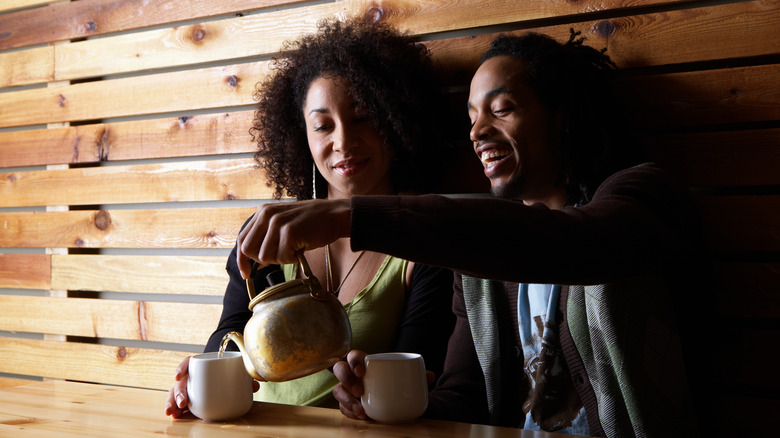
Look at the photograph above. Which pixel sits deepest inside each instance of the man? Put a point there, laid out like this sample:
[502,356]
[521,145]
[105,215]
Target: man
[590,257]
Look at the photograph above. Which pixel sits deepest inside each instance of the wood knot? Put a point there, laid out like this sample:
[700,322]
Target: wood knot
[232,80]
[91,26]
[61,101]
[79,243]
[198,34]
[121,353]
[102,220]
[605,28]
[103,143]
[12,177]
[374,15]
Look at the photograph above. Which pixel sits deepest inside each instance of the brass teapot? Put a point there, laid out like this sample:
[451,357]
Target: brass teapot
[296,329]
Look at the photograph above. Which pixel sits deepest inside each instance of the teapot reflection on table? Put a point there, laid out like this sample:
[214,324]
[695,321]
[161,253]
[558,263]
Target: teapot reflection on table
[297,328]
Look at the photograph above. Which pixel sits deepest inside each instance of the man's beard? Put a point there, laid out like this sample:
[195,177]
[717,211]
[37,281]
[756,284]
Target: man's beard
[512,189]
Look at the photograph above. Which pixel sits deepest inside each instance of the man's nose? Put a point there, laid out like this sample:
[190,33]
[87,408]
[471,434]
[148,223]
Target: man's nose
[481,129]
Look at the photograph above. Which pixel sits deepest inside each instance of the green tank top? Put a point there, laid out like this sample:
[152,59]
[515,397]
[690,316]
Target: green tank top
[374,315]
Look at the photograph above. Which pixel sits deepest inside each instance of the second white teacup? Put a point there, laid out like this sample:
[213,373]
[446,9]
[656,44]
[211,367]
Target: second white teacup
[395,387]
[219,388]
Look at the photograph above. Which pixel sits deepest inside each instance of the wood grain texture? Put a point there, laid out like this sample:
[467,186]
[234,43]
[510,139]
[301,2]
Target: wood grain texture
[210,180]
[9,5]
[32,66]
[741,223]
[25,271]
[706,97]
[262,34]
[85,18]
[165,228]
[748,290]
[720,159]
[643,40]
[118,365]
[114,319]
[153,94]
[186,136]
[222,40]
[191,275]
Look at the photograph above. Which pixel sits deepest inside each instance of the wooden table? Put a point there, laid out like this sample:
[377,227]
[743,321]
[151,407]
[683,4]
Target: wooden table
[60,408]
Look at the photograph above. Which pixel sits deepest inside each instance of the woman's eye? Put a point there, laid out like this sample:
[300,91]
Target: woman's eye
[320,128]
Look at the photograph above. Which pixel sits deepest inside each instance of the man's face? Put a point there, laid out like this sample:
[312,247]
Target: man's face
[515,137]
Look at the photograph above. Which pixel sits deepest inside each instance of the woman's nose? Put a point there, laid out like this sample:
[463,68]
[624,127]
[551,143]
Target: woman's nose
[343,139]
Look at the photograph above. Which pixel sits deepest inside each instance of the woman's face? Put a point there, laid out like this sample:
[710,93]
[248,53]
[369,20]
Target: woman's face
[348,151]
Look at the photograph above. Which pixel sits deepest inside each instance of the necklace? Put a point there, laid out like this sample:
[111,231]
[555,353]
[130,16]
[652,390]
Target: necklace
[329,283]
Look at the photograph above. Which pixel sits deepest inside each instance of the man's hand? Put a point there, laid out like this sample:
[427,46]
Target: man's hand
[350,386]
[278,230]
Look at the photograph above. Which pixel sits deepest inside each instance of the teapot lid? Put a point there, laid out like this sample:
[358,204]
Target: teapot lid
[311,282]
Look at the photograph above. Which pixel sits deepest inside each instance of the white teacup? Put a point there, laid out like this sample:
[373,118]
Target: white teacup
[395,387]
[219,388]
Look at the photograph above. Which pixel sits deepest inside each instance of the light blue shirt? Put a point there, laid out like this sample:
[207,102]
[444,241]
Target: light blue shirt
[538,326]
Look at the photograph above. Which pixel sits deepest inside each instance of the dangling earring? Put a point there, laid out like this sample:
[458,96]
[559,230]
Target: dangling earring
[314,181]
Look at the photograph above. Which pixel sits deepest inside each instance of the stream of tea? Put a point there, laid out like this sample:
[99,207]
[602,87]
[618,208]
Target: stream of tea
[223,346]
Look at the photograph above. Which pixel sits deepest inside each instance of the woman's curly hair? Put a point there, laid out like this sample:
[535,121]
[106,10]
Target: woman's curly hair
[577,82]
[390,77]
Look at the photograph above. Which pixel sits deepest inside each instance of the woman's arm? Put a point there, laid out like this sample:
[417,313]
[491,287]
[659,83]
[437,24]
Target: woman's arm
[427,321]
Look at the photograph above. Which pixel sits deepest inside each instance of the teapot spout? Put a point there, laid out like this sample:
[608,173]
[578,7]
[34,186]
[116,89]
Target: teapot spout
[238,338]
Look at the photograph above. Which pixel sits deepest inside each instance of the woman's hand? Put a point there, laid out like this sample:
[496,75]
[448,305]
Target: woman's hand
[278,230]
[176,405]
[177,402]
[350,386]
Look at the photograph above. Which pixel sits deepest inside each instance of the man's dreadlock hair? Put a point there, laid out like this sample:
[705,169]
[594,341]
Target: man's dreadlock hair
[576,81]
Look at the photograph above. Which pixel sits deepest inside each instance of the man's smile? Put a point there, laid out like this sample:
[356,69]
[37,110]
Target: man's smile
[492,157]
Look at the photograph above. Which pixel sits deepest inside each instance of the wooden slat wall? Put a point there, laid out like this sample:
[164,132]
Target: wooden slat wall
[122,189]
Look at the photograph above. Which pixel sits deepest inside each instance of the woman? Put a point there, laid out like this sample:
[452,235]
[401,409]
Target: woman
[348,111]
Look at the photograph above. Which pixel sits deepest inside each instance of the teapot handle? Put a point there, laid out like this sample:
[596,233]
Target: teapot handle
[250,281]
[315,288]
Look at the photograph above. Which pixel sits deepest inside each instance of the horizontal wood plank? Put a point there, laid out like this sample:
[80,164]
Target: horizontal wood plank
[741,223]
[223,40]
[191,275]
[8,5]
[113,319]
[86,18]
[742,373]
[732,410]
[32,66]
[642,40]
[165,228]
[25,271]
[159,93]
[707,97]
[228,39]
[748,290]
[116,365]
[210,180]
[720,159]
[186,136]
